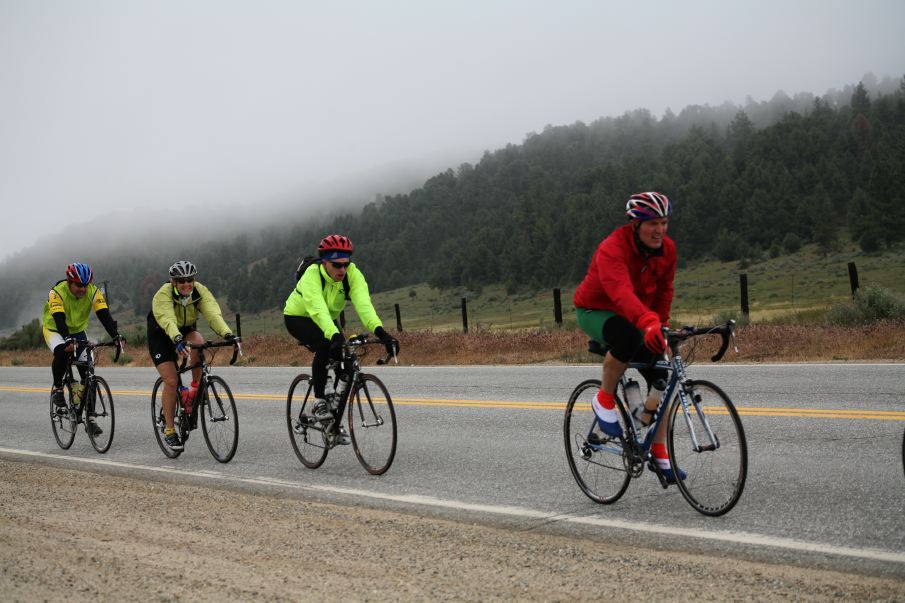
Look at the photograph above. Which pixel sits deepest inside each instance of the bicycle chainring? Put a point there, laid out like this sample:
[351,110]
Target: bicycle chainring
[633,458]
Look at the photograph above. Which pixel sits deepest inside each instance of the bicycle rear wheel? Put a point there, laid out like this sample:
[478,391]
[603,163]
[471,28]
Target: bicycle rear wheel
[716,470]
[372,424]
[62,421]
[158,421]
[99,411]
[219,419]
[305,434]
[599,468]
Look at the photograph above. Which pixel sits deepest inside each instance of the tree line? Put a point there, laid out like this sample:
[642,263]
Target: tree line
[745,182]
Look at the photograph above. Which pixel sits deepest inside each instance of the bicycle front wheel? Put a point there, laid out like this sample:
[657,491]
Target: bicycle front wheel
[158,421]
[219,419]
[597,461]
[62,421]
[372,424]
[305,433]
[100,420]
[714,460]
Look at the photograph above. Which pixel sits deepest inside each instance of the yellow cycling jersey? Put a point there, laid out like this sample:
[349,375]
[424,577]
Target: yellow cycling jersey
[77,310]
[320,298]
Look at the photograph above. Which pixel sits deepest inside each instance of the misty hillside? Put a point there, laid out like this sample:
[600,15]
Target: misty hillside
[745,181]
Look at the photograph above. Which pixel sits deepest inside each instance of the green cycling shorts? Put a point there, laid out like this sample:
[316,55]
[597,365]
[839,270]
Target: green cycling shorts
[592,321]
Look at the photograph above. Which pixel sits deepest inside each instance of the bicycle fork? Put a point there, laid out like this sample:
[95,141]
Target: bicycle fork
[689,421]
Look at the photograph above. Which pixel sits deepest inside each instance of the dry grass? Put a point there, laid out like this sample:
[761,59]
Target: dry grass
[882,341]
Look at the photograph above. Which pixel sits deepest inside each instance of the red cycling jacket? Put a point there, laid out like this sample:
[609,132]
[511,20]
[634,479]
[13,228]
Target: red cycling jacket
[626,281]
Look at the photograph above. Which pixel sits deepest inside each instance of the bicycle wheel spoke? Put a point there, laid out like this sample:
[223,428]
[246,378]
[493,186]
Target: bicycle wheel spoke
[305,434]
[99,416]
[596,461]
[219,419]
[372,424]
[708,445]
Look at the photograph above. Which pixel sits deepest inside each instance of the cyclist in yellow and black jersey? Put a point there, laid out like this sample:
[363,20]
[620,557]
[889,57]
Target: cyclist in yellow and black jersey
[66,313]
[172,323]
[314,305]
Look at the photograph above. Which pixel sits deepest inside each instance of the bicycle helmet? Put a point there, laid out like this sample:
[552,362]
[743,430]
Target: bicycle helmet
[79,273]
[648,206]
[335,246]
[183,269]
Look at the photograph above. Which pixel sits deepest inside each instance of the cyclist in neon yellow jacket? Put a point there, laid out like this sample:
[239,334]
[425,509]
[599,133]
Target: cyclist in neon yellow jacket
[314,305]
[172,323]
[66,313]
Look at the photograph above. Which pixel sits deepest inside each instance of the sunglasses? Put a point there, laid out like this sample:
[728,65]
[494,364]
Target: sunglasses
[79,285]
[340,265]
[182,281]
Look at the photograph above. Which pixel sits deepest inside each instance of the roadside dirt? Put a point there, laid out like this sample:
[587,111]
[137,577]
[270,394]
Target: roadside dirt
[77,536]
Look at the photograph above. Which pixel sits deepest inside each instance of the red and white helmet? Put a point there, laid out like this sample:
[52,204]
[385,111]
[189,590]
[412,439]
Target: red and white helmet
[648,206]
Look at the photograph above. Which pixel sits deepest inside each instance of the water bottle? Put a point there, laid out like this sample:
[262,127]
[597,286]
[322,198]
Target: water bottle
[632,396]
[341,386]
[185,396]
[77,392]
[654,396]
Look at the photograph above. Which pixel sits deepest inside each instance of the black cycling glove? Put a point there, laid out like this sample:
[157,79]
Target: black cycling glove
[390,342]
[336,346]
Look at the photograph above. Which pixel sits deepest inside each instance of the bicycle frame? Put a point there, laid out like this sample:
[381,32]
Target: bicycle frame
[677,387]
[206,368]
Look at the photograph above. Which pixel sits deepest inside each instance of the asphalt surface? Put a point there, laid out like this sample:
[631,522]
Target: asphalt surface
[478,444]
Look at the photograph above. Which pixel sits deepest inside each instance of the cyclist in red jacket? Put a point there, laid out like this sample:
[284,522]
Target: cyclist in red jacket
[625,299]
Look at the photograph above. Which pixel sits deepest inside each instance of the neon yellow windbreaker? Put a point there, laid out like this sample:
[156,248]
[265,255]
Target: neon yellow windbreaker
[323,300]
[171,313]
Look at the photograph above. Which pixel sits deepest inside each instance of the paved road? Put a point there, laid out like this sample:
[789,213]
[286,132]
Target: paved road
[485,443]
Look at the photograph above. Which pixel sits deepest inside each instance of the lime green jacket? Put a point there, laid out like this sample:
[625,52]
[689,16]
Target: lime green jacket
[77,311]
[323,300]
[172,312]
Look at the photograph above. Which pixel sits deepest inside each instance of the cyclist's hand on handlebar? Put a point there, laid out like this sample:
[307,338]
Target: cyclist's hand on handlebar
[120,341]
[653,332]
[230,338]
[181,343]
[336,346]
[389,342]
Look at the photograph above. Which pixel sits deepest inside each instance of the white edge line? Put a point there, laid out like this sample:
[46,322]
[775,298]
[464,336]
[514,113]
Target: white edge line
[743,538]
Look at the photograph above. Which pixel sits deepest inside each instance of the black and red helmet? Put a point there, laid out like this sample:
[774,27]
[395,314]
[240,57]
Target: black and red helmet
[334,246]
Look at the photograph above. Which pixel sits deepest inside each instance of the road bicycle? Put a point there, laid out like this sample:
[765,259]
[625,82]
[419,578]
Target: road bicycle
[213,401]
[705,438]
[90,399]
[366,402]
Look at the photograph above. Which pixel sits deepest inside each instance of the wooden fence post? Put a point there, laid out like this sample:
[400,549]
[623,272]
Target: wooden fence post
[743,283]
[398,319]
[557,307]
[464,317]
[853,277]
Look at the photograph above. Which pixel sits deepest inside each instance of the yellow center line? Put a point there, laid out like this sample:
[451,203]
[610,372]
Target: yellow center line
[745,411]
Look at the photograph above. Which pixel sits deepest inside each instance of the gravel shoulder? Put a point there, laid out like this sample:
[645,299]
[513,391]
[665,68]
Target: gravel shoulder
[78,535]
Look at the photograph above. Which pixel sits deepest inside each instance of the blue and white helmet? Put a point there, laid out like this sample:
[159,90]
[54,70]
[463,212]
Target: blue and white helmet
[80,274]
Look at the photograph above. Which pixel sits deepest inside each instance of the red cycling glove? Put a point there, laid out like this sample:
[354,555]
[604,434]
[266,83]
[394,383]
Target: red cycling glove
[653,333]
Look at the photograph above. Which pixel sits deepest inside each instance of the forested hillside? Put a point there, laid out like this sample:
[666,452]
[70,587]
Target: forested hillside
[745,182]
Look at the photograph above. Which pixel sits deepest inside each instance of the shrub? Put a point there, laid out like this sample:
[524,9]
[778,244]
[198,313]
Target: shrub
[791,243]
[871,304]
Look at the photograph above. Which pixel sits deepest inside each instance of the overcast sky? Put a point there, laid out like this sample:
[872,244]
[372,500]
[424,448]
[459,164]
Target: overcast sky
[109,105]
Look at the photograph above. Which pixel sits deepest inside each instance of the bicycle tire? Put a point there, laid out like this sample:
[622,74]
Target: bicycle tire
[62,421]
[219,419]
[99,407]
[307,437]
[599,470]
[371,426]
[159,423]
[714,478]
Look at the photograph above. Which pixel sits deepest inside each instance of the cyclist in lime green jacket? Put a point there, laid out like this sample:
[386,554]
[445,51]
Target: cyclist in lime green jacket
[314,305]
[172,324]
